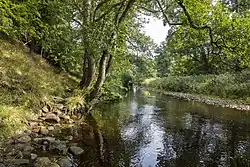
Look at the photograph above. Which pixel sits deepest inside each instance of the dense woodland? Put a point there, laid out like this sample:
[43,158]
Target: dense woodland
[100,42]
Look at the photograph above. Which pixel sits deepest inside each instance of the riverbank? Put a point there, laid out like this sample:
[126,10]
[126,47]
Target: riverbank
[27,83]
[226,103]
[36,102]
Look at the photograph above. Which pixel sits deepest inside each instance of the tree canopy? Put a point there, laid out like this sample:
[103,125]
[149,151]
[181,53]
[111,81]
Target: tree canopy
[100,41]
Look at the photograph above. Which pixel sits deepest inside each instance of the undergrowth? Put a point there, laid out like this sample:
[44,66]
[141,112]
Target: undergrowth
[231,86]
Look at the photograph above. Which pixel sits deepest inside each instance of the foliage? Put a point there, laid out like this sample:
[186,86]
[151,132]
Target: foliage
[214,41]
[234,86]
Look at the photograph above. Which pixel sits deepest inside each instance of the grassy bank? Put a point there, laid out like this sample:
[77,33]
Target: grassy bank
[26,83]
[228,86]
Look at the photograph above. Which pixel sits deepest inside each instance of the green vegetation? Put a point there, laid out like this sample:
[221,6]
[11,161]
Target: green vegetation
[26,83]
[101,44]
[231,86]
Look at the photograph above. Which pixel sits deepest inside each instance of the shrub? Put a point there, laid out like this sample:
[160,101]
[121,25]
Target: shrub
[233,86]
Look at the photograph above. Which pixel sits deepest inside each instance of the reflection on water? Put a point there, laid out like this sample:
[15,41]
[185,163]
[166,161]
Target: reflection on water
[162,131]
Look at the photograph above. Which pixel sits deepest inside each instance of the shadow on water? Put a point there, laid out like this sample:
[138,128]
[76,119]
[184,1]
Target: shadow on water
[162,131]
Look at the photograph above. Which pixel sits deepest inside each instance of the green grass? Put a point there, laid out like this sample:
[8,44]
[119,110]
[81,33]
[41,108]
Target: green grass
[26,82]
[229,86]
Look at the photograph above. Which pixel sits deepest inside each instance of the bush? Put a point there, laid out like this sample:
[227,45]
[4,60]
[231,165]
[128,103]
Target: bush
[233,86]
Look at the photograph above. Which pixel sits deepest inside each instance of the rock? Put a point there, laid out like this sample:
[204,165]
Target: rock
[54,165]
[33,124]
[59,147]
[64,117]
[44,148]
[24,139]
[60,106]
[33,135]
[2,165]
[33,156]
[44,131]
[76,150]
[18,161]
[65,162]
[41,140]
[36,130]
[42,162]
[27,132]
[45,109]
[27,150]
[57,112]
[51,128]
[50,117]
[71,121]
[69,138]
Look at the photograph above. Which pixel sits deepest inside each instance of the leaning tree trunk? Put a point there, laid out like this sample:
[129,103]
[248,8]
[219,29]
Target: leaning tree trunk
[101,76]
[88,70]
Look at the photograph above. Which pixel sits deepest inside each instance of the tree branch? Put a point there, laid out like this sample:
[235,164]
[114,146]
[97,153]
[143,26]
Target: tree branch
[165,16]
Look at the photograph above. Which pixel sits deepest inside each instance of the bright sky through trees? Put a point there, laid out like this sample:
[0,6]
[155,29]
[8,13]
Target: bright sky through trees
[156,30]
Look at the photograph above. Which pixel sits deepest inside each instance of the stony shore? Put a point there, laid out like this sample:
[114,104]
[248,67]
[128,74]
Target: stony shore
[43,144]
[226,103]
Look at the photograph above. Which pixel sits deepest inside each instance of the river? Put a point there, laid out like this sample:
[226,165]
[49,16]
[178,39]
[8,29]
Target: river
[161,131]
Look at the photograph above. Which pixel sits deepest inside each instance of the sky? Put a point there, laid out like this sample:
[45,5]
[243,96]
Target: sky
[156,30]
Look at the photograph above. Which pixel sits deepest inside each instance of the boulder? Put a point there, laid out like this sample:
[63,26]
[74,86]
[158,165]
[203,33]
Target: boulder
[24,139]
[76,150]
[44,131]
[42,162]
[59,147]
[52,118]
[65,162]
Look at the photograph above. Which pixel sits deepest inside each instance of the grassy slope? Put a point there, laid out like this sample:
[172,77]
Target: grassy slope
[25,84]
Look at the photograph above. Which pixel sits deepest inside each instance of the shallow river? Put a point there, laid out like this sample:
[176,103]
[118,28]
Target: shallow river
[162,131]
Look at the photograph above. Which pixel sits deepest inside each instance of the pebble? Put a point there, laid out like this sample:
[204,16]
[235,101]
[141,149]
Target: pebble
[45,109]
[33,156]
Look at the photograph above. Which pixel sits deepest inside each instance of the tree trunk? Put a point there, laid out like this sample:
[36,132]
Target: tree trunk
[87,70]
[32,48]
[101,76]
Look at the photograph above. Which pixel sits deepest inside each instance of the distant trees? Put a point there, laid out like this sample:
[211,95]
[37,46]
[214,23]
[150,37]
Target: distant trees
[211,38]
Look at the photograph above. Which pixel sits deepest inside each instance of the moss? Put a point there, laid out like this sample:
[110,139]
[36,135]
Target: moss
[28,81]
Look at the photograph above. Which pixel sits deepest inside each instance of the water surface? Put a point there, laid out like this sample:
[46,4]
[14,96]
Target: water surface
[159,131]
